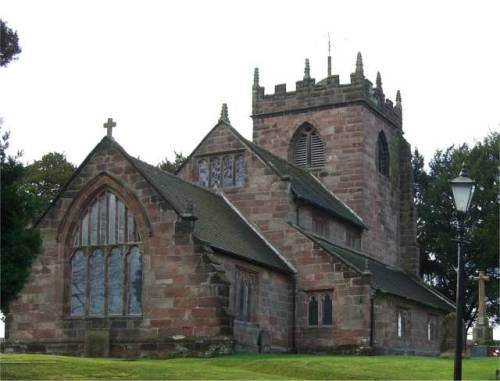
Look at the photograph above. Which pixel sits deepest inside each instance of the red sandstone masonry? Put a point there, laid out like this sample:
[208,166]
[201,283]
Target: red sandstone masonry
[175,281]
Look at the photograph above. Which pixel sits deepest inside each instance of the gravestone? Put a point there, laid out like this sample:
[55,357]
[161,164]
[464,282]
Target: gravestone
[97,343]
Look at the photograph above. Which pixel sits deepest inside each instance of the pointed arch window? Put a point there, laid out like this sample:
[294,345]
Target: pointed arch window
[106,267]
[313,311]
[382,154]
[307,149]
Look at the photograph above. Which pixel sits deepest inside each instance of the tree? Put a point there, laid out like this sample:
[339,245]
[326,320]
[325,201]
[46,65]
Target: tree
[19,242]
[9,44]
[172,166]
[437,227]
[44,179]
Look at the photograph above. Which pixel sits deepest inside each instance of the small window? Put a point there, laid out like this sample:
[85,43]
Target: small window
[245,294]
[401,323]
[382,154]
[313,311]
[431,328]
[224,171]
[320,224]
[327,315]
[307,149]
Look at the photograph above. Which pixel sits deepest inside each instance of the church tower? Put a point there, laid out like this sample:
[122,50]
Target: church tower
[349,136]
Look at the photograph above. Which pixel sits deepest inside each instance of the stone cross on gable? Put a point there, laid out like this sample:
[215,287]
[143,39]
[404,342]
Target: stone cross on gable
[481,297]
[109,126]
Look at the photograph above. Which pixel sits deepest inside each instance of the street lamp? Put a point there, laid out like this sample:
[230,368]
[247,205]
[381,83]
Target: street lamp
[463,190]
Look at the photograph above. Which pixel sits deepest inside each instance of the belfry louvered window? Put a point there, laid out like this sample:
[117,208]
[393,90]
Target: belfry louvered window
[106,263]
[308,149]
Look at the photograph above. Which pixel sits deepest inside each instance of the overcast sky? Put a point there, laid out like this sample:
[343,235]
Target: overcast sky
[162,69]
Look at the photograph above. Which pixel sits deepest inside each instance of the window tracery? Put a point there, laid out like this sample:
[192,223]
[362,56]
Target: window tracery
[319,309]
[106,247]
[225,171]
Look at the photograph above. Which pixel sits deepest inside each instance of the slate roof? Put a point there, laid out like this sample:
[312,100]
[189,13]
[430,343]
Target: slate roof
[217,224]
[306,187]
[384,278]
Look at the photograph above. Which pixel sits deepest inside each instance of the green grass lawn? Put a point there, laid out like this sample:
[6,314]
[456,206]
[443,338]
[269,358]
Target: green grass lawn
[244,367]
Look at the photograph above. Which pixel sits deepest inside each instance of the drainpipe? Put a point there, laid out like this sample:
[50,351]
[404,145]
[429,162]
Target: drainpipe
[372,319]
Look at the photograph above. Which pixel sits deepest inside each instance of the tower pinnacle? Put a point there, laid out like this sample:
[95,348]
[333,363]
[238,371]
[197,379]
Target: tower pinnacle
[329,57]
[256,78]
[307,70]
[398,99]
[359,64]
[379,81]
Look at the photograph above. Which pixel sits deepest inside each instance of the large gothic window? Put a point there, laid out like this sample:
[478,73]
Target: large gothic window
[307,149]
[106,265]
[382,154]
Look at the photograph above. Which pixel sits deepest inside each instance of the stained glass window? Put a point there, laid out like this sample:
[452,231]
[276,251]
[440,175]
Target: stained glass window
[115,282]
[215,173]
[227,170]
[78,284]
[203,173]
[96,275]
[98,282]
[239,178]
[134,281]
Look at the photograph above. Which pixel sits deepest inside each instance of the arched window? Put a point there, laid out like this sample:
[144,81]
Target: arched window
[227,171]
[106,223]
[327,318]
[215,173]
[239,179]
[203,173]
[78,283]
[382,154]
[307,148]
[313,311]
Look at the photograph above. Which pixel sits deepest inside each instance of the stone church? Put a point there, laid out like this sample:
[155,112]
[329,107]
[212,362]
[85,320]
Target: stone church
[302,239]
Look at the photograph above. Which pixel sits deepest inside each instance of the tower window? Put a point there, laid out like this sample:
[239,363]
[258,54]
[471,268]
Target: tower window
[307,148]
[382,154]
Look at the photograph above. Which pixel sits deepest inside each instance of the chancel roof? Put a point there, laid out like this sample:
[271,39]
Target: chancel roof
[217,223]
[384,278]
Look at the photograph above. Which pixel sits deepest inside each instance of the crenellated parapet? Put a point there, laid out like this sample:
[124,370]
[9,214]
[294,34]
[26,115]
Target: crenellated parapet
[329,92]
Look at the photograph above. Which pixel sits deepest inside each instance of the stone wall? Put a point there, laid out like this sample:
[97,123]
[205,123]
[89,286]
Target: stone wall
[181,296]
[269,329]
[350,135]
[415,338]
[265,200]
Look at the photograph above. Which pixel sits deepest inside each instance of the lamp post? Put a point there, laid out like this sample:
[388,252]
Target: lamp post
[463,190]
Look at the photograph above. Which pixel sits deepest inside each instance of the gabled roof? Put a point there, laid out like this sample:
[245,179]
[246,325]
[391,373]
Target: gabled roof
[217,224]
[303,184]
[307,188]
[384,278]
